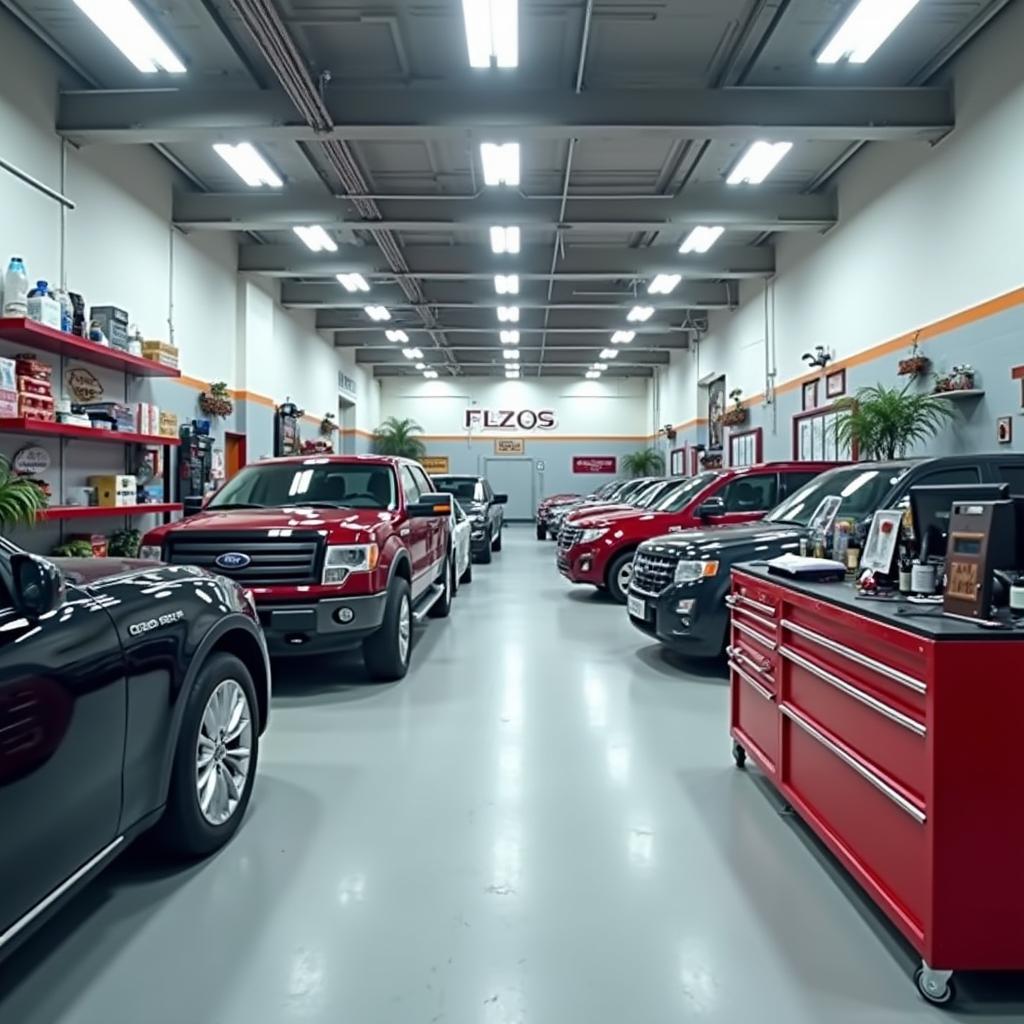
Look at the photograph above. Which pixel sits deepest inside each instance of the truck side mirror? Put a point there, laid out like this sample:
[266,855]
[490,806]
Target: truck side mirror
[710,507]
[37,585]
[501,499]
[430,505]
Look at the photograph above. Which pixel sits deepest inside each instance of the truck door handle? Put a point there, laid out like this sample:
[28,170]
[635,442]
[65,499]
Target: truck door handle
[404,532]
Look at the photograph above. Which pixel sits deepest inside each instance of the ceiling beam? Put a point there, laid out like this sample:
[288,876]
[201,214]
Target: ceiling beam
[342,323]
[172,116]
[568,370]
[748,209]
[478,263]
[533,355]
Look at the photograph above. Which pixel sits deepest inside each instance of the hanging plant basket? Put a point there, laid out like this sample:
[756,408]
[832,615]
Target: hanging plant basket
[735,417]
[713,460]
[914,366]
[328,427]
[216,402]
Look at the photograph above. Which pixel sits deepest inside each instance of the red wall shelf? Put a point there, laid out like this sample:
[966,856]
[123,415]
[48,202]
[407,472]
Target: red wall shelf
[46,339]
[100,511]
[44,428]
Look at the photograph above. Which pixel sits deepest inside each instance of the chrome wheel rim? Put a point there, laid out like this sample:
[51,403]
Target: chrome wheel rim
[404,629]
[625,576]
[223,752]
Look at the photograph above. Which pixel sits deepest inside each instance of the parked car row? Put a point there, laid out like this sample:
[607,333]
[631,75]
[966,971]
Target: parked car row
[133,695]
[670,562]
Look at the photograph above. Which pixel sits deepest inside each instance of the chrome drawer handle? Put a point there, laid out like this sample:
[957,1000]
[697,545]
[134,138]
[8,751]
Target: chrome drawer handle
[735,652]
[857,694]
[862,770]
[861,659]
[768,624]
[771,645]
[752,683]
[764,609]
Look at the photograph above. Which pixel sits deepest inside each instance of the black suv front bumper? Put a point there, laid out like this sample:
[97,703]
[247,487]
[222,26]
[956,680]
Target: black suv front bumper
[696,629]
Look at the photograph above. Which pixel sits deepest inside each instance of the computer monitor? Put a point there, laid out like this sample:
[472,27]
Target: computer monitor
[930,506]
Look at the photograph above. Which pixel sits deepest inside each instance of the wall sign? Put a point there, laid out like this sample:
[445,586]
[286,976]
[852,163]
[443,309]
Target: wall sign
[510,419]
[594,463]
[31,461]
[83,384]
[346,385]
[435,464]
[510,446]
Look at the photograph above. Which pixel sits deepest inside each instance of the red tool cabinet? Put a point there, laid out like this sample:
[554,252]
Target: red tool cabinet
[897,740]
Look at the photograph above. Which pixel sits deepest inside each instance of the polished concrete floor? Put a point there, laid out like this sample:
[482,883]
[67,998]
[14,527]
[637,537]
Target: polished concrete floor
[541,824]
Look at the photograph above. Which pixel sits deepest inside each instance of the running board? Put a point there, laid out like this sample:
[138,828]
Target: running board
[429,599]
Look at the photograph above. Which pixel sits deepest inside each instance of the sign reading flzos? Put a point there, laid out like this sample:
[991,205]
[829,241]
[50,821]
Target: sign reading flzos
[510,419]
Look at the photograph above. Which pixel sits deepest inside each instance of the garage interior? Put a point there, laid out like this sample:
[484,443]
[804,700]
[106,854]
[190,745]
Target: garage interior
[324,207]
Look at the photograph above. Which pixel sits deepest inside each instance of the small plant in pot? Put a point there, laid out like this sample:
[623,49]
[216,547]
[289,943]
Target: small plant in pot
[328,427]
[711,460]
[915,364]
[217,402]
[737,415]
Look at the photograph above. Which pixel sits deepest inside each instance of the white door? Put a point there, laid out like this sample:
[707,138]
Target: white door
[513,477]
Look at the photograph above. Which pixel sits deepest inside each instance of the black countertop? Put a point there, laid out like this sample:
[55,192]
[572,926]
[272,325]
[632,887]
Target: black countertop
[923,619]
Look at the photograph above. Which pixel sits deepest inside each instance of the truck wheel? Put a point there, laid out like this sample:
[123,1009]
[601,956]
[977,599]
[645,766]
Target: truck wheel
[485,554]
[442,607]
[497,540]
[386,652]
[620,572]
[215,760]
[542,534]
[467,576]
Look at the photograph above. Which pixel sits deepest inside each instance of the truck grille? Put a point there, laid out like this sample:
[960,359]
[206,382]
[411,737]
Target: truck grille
[568,536]
[272,560]
[652,573]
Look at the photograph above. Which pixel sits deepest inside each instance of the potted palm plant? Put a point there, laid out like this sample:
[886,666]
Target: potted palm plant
[397,437]
[883,423]
[647,462]
[21,499]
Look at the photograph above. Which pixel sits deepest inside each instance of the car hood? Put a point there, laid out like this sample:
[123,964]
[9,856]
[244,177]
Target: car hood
[346,522]
[756,540]
[84,571]
[559,499]
[613,516]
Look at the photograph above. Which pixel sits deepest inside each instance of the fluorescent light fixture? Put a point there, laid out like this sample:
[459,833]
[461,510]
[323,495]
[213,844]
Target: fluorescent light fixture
[599,366]
[760,159]
[412,353]
[512,375]
[700,239]
[377,312]
[593,374]
[623,337]
[508,314]
[430,374]
[505,240]
[492,32]
[397,336]
[664,284]
[421,366]
[121,22]
[501,163]
[316,238]
[509,337]
[353,282]
[640,314]
[511,353]
[866,27]
[245,160]
[609,353]
[515,367]
[506,284]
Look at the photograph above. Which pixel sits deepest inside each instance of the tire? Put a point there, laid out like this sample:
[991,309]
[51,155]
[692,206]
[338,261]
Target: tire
[497,540]
[467,576]
[941,997]
[542,533]
[385,654]
[442,607]
[485,555]
[619,574]
[222,689]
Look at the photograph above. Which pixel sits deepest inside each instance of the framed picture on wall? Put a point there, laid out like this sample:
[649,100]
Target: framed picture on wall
[745,447]
[677,461]
[835,384]
[809,393]
[1004,429]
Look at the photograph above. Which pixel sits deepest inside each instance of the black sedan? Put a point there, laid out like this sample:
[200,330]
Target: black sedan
[132,695]
[485,510]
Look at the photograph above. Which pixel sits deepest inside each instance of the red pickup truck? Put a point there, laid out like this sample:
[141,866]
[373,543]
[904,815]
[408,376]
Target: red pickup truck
[599,549]
[336,550]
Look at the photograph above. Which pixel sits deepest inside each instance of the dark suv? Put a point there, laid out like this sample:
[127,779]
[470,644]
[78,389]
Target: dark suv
[484,508]
[679,583]
[131,695]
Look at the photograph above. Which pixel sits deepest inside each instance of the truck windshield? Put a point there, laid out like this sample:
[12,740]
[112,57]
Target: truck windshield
[677,500]
[465,488]
[862,488]
[317,482]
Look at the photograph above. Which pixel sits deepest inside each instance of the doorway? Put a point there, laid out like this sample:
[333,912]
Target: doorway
[346,427]
[513,477]
[235,456]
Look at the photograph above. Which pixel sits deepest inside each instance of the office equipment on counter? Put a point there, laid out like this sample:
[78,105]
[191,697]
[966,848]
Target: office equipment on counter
[930,506]
[822,570]
[286,429]
[982,538]
[922,579]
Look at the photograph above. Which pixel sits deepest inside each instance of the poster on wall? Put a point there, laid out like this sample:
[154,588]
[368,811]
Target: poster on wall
[594,464]
[678,462]
[509,446]
[435,464]
[716,407]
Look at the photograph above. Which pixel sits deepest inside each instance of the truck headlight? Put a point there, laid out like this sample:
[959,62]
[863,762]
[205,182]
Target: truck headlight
[686,572]
[151,553]
[345,558]
[589,536]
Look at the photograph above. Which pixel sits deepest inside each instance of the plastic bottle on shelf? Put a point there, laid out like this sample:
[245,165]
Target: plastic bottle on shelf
[16,288]
[41,288]
[67,310]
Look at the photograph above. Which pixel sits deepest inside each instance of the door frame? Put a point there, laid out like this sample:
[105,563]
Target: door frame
[507,459]
[243,451]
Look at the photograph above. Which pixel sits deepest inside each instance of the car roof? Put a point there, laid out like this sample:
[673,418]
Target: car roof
[338,460]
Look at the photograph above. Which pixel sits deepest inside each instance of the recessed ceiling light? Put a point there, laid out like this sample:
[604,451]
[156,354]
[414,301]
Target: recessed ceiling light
[492,31]
[599,366]
[122,23]
[377,312]
[640,314]
[506,284]
[421,366]
[508,314]
[509,337]
[664,284]
[396,336]
[353,282]
[623,337]
[505,240]
[700,239]
[316,238]
[593,374]
[512,375]
[515,367]
[246,162]
[501,163]
[510,353]
[430,374]
[866,27]
[412,353]
[609,353]
[760,159]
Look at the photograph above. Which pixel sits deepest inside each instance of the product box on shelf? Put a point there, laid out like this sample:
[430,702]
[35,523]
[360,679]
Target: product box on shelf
[148,418]
[8,375]
[114,491]
[161,352]
[28,366]
[121,417]
[168,424]
[35,407]
[44,310]
[153,494]
[8,403]
[113,322]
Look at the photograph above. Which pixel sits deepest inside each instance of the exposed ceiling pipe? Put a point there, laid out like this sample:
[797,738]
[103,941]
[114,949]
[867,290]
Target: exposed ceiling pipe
[269,31]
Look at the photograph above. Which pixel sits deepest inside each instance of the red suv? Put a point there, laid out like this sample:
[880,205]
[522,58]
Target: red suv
[599,549]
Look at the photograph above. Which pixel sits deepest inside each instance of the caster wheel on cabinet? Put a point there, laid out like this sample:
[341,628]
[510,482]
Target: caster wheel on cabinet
[935,987]
[739,756]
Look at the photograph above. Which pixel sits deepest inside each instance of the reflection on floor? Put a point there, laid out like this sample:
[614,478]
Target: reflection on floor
[541,824]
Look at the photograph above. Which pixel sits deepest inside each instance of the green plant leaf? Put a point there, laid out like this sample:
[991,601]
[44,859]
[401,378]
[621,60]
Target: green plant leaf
[884,423]
[647,462]
[397,437]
